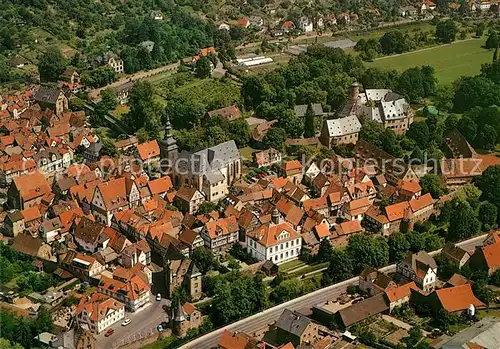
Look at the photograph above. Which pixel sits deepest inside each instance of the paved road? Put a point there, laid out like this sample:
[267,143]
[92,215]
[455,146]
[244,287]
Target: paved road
[94,95]
[143,324]
[260,320]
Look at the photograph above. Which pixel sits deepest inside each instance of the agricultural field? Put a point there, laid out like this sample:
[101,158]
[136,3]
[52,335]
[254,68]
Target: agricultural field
[461,58]
[377,33]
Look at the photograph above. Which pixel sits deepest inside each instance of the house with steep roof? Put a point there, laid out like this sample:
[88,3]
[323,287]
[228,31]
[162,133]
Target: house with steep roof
[211,170]
[98,312]
[277,241]
[369,307]
[14,223]
[112,196]
[189,199]
[138,252]
[148,152]
[355,209]
[230,113]
[111,59]
[219,235]
[266,158]
[296,328]
[452,299]
[236,340]
[486,258]
[51,98]
[399,295]
[292,170]
[340,131]
[301,109]
[421,268]
[183,271]
[81,265]
[132,289]
[34,247]
[28,190]
[373,281]
[454,254]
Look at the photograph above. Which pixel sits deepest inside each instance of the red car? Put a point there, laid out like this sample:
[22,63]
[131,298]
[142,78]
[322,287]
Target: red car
[109,332]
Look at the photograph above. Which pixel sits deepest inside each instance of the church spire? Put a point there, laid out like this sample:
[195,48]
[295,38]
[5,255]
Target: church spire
[168,145]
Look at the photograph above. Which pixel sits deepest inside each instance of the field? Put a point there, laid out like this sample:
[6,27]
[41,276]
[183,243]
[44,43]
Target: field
[450,61]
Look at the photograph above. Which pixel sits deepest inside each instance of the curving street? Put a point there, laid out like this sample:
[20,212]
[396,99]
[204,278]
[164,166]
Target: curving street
[260,320]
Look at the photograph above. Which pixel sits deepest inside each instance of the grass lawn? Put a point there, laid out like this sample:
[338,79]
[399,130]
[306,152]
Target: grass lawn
[291,265]
[247,152]
[307,270]
[449,61]
[161,344]
[119,111]
[489,313]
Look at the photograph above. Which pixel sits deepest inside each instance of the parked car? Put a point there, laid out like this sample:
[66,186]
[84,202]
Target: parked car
[164,324]
[109,332]
[159,328]
[158,297]
[126,322]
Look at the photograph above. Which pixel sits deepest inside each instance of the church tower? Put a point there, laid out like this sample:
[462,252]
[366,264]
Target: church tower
[168,149]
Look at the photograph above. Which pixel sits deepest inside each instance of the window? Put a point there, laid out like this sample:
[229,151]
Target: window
[287,245]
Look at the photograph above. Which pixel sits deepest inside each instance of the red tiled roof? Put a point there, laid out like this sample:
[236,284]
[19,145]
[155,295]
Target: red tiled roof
[396,211]
[396,293]
[349,227]
[492,255]
[421,202]
[268,235]
[411,186]
[229,340]
[222,226]
[148,150]
[32,185]
[160,185]
[458,298]
[322,230]
[292,165]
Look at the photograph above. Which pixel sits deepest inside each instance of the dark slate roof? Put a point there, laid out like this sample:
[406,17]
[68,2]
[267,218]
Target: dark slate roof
[47,94]
[293,322]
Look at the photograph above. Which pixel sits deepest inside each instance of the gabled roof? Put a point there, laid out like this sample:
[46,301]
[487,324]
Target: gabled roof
[229,113]
[421,202]
[458,298]
[293,322]
[32,185]
[222,226]
[349,227]
[396,293]
[148,150]
[292,165]
[47,94]
[160,185]
[396,211]
[492,255]
[27,244]
[363,310]
[270,235]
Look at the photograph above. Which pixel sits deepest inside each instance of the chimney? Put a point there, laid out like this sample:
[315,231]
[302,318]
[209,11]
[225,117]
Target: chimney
[275,216]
